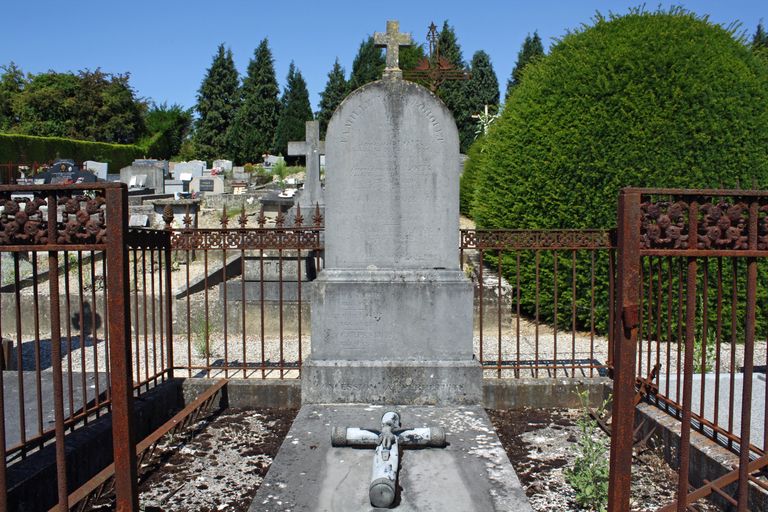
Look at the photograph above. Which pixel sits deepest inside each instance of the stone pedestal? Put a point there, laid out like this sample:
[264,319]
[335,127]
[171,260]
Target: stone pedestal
[397,337]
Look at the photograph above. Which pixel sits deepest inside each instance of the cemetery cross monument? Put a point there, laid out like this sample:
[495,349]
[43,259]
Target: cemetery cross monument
[392,310]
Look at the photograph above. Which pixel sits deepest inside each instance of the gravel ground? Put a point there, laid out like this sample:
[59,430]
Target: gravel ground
[220,463]
[216,466]
[542,444]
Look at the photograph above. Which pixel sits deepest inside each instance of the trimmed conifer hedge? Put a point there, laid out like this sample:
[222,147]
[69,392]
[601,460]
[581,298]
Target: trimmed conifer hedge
[650,99]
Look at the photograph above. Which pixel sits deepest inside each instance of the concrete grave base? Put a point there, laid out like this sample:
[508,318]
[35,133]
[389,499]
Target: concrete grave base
[471,473]
[392,382]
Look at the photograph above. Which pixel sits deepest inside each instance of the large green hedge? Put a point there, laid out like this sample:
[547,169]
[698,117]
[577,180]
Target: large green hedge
[27,149]
[653,99]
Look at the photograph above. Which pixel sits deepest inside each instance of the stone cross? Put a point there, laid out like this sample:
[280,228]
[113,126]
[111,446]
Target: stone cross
[311,148]
[387,441]
[392,40]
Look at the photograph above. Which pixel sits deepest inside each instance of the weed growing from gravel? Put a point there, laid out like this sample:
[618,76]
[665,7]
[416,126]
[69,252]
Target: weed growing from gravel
[589,474]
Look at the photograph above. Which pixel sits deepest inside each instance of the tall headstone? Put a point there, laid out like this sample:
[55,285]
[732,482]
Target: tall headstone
[311,148]
[392,310]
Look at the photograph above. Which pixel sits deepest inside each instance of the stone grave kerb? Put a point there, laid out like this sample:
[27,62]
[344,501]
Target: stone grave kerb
[392,310]
[311,148]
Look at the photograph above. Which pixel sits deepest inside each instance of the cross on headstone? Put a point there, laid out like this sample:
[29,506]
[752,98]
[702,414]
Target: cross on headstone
[392,40]
[311,148]
[387,441]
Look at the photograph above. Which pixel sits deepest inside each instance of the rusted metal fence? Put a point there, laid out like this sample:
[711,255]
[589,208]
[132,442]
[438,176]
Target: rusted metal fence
[72,275]
[10,171]
[241,294]
[692,298]
[541,300]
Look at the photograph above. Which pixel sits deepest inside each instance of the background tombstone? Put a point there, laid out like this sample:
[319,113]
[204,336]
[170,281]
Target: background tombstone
[392,311]
[210,185]
[155,175]
[224,165]
[311,148]
[100,169]
[194,168]
[64,172]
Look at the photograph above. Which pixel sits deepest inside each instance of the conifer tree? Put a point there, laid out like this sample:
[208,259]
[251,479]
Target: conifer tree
[294,111]
[455,92]
[368,65]
[483,86]
[217,102]
[253,130]
[760,39]
[531,50]
[332,96]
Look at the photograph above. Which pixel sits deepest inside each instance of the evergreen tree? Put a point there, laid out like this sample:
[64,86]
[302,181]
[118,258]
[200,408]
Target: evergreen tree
[170,126]
[12,82]
[483,86]
[760,39]
[454,93]
[253,130]
[531,50]
[294,111]
[368,64]
[217,102]
[332,96]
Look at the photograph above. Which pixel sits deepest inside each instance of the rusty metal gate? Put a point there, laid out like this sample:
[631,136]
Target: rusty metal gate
[691,310]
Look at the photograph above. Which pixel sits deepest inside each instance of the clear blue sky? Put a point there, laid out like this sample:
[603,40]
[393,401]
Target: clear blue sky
[167,45]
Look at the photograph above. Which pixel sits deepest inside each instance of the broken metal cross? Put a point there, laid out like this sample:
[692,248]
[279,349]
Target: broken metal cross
[387,442]
[392,40]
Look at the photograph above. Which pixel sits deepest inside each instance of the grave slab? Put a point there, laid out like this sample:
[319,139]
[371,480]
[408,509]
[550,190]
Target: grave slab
[471,473]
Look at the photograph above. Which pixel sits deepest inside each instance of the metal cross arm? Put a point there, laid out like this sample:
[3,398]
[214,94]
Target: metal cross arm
[387,442]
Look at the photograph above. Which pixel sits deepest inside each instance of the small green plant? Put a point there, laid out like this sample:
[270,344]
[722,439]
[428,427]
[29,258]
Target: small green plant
[589,474]
[201,331]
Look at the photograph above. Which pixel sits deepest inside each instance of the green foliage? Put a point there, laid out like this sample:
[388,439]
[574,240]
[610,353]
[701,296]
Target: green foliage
[217,102]
[661,99]
[12,82]
[202,333]
[483,86]
[169,127]
[456,93]
[294,111]
[27,149]
[334,93]
[589,474]
[760,39]
[253,130]
[368,65]
[467,182]
[90,105]
[531,51]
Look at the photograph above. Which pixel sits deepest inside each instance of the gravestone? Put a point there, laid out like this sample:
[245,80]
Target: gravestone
[392,311]
[224,165]
[65,172]
[209,185]
[154,181]
[311,148]
[391,323]
[194,168]
[100,169]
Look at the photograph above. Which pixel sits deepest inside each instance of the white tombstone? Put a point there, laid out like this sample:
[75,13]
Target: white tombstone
[98,168]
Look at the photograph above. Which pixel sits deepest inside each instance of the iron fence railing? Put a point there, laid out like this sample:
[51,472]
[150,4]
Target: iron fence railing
[692,301]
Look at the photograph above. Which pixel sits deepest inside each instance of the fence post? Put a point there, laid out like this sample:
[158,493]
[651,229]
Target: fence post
[626,320]
[123,441]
